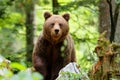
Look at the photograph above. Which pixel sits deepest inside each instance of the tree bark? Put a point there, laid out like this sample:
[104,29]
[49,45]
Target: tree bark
[55,6]
[30,29]
[109,19]
[104,18]
[108,65]
[117,34]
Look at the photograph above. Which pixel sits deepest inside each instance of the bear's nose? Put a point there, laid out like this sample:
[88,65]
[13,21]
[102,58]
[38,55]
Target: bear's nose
[56,31]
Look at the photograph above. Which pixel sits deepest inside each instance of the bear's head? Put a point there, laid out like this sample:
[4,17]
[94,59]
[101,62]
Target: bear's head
[56,27]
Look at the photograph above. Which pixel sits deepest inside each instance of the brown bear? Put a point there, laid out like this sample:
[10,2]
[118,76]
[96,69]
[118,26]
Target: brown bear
[54,48]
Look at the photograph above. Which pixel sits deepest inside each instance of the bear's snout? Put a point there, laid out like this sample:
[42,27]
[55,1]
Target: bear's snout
[56,31]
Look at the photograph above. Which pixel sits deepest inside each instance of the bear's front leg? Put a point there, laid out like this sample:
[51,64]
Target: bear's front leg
[40,65]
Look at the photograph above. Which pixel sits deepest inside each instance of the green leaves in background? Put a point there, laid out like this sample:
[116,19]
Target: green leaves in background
[17,66]
[24,75]
[7,71]
[118,1]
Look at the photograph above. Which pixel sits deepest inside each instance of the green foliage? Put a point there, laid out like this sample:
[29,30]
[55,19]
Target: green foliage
[83,25]
[75,4]
[10,30]
[24,75]
[17,66]
[4,6]
[118,1]
[7,71]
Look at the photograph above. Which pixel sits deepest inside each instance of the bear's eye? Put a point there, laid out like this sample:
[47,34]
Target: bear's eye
[60,24]
[52,24]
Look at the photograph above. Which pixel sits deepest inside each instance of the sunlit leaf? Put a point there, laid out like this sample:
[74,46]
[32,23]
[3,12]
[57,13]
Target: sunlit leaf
[37,76]
[17,66]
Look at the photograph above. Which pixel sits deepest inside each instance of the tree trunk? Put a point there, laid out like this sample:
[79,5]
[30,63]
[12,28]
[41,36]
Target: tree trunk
[55,6]
[117,34]
[110,19]
[108,65]
[104,18]
[30,29]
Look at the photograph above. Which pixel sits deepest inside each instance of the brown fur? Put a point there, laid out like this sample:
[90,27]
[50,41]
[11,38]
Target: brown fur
[53,50]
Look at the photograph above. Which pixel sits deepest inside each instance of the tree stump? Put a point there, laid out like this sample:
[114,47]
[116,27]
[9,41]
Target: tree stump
[108,65]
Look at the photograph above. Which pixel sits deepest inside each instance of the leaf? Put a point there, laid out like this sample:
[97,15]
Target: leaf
[24,75]
[118,1]
[37,76]
[17,66]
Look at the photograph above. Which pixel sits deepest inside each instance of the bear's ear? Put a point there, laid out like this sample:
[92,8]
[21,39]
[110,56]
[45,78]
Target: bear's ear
[66,16]
[47,15]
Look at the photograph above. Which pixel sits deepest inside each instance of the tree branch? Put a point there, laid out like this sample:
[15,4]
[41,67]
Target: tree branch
[112,34]
[114,19]
[116,14]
